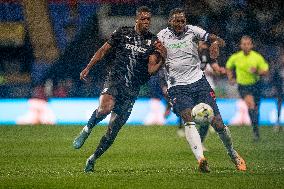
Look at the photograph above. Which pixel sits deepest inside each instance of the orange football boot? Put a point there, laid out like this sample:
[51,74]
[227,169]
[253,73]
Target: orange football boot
[240,163]
[203,166]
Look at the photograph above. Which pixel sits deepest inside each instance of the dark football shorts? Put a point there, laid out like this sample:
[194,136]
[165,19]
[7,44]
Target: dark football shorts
[279,91]
[253,90]
[188,96]
[124,97]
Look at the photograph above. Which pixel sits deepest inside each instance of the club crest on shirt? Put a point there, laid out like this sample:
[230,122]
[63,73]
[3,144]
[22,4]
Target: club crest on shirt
[104,90]
[149,42]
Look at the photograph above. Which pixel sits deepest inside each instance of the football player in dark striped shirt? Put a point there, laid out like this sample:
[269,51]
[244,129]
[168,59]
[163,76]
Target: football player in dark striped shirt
[138,55]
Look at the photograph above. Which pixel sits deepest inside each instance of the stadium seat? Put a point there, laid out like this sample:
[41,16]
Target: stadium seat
[60,17]
[11,12]
[85,11]
[59,14]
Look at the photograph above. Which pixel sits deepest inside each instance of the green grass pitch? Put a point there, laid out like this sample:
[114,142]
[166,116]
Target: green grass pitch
[141,157]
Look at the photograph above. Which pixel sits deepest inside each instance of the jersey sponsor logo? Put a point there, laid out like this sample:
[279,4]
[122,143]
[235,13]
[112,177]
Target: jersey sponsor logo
[178,45]
[135,48]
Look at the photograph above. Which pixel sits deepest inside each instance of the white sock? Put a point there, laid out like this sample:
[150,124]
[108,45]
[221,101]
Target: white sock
[193,139]
[87,129]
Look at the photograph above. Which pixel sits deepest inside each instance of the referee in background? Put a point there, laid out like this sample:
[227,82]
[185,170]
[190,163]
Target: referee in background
[248,65]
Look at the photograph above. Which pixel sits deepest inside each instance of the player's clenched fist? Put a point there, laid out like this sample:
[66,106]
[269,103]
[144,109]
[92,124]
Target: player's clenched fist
[159,47]
[214,48]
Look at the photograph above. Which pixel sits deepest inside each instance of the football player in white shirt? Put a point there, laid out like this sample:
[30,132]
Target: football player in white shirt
[187,85]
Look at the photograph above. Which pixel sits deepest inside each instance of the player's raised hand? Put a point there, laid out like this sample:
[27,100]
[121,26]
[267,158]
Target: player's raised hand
[84,74]
[159,47]
[214,50]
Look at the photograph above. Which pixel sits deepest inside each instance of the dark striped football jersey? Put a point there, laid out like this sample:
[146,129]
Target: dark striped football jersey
[132,50]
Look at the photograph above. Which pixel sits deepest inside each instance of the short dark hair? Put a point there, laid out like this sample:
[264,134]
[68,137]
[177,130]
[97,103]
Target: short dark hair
[176,11]
[142,9]
[247,37]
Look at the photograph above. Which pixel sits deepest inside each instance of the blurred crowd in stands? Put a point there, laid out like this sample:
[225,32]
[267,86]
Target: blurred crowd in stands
[77,33]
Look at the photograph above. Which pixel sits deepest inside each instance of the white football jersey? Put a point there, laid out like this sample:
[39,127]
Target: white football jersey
[182,63]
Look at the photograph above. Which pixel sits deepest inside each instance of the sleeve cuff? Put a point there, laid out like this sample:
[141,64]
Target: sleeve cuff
[206,37]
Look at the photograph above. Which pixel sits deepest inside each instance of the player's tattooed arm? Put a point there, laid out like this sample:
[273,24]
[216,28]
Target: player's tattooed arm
[97,57]
[215,43]
[160,49]
[157,60]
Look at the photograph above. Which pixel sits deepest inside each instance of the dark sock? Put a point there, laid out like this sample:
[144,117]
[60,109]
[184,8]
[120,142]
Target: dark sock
[94,120]
[104,144]
[254,120]
[253,116]
[203,130]
[106,141]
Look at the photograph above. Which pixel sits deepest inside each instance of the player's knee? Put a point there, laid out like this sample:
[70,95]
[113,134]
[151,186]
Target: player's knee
[106,105]
[250,101]
[104,109]
[251,104]
[186,115]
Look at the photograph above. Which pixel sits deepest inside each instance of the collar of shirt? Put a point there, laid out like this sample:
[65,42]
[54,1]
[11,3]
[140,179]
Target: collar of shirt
[179,36]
